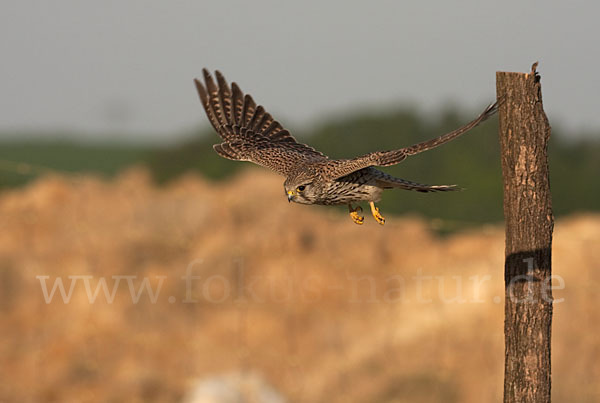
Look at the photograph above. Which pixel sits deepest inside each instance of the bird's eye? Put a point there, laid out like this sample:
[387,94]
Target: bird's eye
[301,188]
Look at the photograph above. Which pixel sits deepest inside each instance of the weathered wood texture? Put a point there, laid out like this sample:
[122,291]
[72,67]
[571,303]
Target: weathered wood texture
[524,133]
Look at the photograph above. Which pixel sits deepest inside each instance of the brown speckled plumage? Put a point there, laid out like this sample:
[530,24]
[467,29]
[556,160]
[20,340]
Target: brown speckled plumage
[250,133]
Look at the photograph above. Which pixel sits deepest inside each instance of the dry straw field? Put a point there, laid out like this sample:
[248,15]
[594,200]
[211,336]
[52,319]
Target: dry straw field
[294,303]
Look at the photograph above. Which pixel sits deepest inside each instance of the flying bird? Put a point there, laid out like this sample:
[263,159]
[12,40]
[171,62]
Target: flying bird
[250,133]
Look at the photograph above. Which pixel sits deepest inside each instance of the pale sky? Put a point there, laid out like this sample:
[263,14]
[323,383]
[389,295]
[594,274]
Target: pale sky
[92,67]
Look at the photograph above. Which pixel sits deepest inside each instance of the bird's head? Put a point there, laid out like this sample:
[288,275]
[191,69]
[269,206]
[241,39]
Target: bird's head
[300,190]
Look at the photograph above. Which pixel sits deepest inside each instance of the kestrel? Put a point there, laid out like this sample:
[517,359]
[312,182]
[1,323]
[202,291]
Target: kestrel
[250,133]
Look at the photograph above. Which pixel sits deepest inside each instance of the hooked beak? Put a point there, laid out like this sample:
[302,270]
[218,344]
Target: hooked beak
[290,195]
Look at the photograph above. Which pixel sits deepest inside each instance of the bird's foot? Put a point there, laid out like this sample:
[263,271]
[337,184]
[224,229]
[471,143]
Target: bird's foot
[354,214]
[376,214]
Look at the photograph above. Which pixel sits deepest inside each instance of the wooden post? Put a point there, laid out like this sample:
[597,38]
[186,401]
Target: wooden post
[524,133]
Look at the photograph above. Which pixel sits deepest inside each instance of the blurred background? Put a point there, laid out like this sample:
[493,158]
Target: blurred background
[187,277]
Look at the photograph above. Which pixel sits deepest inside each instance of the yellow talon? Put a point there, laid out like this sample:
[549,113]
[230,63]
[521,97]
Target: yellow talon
[376,214]
[354,214]
[357,218]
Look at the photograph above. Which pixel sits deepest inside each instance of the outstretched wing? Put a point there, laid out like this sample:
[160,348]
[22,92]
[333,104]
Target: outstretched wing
[338,168]
[249,132]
